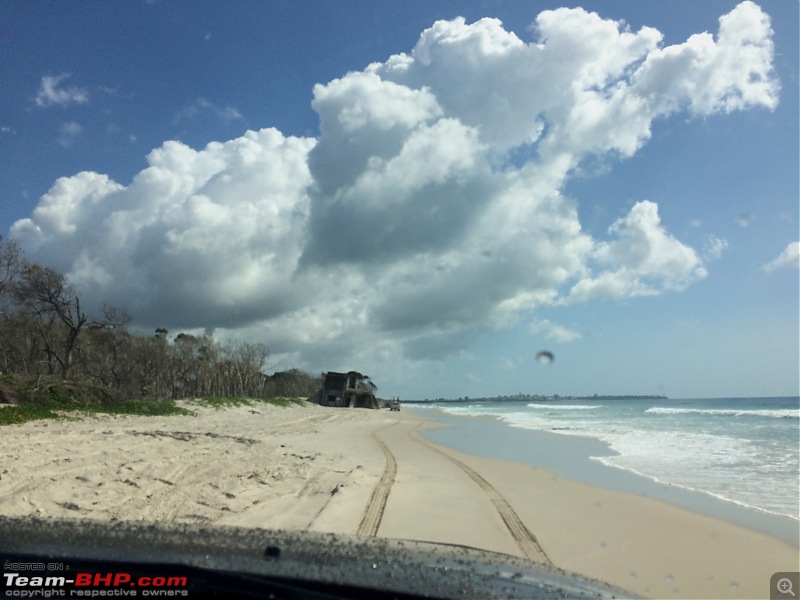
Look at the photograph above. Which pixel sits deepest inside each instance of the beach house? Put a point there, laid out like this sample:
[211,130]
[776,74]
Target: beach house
[351,389]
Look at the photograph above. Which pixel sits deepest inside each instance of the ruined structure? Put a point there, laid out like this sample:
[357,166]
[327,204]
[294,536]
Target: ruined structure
[346,389]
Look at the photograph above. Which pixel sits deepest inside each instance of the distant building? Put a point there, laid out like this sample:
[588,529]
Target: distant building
[345,390]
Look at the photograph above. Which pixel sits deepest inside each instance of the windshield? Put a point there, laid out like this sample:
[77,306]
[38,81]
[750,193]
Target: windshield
[521,277]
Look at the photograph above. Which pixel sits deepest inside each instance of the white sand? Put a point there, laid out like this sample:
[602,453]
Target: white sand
[324,469]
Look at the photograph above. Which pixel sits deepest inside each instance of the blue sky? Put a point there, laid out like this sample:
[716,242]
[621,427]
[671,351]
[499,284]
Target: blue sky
[426,199]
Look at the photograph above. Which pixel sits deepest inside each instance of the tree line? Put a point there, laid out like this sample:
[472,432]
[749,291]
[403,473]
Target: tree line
[45,331]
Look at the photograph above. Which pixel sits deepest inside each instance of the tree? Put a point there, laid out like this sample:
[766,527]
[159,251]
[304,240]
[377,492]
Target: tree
[11,265]
[45,331]
[46,296]
[105,351]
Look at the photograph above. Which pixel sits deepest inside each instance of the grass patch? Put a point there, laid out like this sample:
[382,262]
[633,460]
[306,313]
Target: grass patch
[284,402]
[30,399]
[148,408]
[220,402]
[55,393]
[14,415]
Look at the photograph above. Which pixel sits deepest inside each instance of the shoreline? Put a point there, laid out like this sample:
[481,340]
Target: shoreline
[373,473]
[570,456]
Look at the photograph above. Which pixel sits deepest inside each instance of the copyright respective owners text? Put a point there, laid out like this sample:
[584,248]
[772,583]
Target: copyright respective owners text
[783,585]
[54,579]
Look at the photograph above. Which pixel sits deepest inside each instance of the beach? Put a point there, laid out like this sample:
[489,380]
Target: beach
[372,473]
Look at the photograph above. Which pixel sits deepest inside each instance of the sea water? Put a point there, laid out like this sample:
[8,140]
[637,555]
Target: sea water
[741,450]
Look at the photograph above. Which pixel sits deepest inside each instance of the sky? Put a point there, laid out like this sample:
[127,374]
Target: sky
[430,193]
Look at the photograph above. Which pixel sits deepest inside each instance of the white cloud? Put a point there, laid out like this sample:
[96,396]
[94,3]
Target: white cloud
[68,133]
[202,106]
[713,247]
[53,93]
[644,258]
[216,231]
[428,212]
[706,74]
[788,259]
[553,331]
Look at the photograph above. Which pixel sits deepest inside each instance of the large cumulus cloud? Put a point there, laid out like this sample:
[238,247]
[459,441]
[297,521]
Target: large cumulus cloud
[428,210]
[205,238]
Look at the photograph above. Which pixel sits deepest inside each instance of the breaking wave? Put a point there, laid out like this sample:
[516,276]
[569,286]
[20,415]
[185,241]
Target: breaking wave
[563,406]
[722,412]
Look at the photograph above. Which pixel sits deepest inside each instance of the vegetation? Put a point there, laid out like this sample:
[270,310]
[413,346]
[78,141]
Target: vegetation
[227,402]
[29,398]
[56,357]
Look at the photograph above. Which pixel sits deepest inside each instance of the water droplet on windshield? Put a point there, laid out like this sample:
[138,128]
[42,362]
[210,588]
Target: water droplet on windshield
[544,357]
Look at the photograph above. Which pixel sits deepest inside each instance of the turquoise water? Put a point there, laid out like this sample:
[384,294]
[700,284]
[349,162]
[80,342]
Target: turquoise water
[740,450]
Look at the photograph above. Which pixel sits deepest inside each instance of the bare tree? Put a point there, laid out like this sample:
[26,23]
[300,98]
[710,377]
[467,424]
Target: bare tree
[45,331]
[47,296]
[11,265]
[104,355]
[149,358]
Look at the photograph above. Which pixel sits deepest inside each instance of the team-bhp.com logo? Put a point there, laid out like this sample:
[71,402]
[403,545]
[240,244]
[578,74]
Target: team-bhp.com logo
[27,583]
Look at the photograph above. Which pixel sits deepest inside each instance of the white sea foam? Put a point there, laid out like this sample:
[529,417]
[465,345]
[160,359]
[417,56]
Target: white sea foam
[724,466]
[775,414]
[723,452]
[777,505]
[553,406]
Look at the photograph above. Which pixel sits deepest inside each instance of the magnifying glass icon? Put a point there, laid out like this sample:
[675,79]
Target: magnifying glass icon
[785,586]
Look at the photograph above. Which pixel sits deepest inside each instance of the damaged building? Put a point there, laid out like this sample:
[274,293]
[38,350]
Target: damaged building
[351,389]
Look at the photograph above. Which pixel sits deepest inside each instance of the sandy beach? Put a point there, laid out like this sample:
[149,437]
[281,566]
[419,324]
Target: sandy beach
[370,473]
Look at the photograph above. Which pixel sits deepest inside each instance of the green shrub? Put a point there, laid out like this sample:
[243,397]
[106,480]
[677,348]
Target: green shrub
[145,408]
[14,415]
[220,402]
[283,401]
[30,398]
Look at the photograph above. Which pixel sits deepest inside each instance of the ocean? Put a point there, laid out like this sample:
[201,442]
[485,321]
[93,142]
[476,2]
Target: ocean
[741,451]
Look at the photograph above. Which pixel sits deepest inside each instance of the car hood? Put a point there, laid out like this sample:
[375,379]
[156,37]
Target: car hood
[246,560]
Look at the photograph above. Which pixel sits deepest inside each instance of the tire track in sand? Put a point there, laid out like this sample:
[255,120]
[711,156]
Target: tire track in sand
[373,513]
[524,537]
